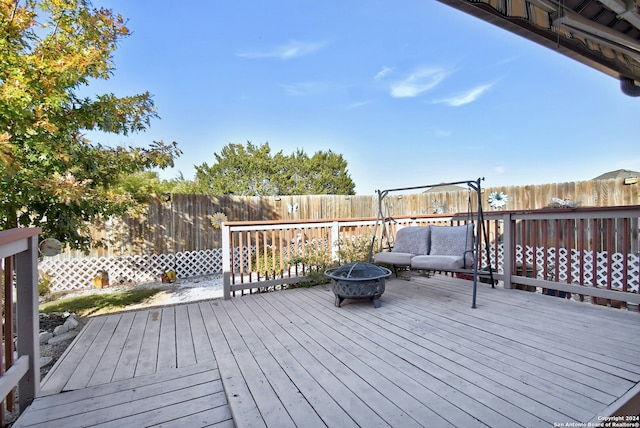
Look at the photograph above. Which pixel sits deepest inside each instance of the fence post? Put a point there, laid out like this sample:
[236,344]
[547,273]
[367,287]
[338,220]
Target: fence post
[226,261]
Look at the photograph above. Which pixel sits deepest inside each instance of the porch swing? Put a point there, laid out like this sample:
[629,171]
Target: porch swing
[453,249]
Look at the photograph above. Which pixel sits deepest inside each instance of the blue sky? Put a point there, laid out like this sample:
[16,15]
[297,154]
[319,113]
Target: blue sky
[410,93]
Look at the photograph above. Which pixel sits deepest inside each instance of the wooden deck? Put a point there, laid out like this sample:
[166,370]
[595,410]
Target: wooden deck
[291,358]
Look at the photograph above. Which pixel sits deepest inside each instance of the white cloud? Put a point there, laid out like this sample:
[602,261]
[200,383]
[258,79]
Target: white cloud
[289,50]
[441,133]
[358,104]
[382,73]
[304,88]
[465,97]
[499,170]
[418,82]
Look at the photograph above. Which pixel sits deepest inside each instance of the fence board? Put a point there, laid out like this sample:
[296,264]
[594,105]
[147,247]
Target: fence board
[183,223]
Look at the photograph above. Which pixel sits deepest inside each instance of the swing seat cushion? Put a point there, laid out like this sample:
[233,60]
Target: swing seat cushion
[413,240]
[451,240]
[450,246]
[435,262]
[410,241]
[393,258]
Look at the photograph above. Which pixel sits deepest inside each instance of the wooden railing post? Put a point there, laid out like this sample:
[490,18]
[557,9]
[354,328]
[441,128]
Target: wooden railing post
[27,317]
[335,240]
[508,249]
[22,244]
[226,261]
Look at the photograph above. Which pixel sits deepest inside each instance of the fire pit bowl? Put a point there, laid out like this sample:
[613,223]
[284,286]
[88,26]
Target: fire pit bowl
[358,281]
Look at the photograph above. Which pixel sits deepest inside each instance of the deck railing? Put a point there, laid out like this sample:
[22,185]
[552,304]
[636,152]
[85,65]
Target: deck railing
[19,253]
[585,251]
[588,252]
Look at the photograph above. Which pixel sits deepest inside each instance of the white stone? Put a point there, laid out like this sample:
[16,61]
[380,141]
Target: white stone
[61,338]
[45,361]
[61,329]
[45,336]
[71,323]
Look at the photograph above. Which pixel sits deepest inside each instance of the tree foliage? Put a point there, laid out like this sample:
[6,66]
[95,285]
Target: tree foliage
[52,175]
[254,171]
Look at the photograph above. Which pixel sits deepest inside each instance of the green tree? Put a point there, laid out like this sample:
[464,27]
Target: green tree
[180,184]
[254,171]
[52,175]
[143,186]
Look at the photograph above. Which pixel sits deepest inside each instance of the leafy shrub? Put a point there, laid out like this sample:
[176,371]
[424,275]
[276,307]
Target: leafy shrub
[268,265]
[44,284]
[355,249]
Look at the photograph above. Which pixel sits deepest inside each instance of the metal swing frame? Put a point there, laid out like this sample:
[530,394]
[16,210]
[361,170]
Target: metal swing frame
[475,185]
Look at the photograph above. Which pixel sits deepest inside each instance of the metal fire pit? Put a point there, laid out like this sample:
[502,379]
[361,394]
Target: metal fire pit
[358,281]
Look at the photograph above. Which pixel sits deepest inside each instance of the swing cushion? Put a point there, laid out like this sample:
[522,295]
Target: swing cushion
[410,241]
[451,240]
[434,262]
[413,239]
[450,246]
[393,258]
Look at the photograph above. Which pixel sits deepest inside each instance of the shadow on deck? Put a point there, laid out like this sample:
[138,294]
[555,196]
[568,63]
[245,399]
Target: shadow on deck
[291,358]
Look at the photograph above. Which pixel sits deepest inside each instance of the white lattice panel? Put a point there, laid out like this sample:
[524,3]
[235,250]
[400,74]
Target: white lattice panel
[247,254]
[198,263]
[572,275]
[77,274]
[561,256]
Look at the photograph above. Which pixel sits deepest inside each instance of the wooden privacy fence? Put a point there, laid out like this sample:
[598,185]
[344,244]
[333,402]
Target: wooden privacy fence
[186,222]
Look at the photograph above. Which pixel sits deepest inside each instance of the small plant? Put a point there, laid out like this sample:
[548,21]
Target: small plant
[313,254]
[313,278]
[355,249]
[44,284]
[267,265]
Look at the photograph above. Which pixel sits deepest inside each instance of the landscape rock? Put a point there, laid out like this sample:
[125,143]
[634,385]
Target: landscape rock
[45,361]
[61,329]
[62,337]
[71,323]
[45,336]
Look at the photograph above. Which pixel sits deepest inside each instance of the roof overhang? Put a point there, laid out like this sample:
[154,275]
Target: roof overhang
[603,34]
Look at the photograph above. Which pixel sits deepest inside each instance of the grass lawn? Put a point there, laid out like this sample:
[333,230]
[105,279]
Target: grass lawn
[97,304]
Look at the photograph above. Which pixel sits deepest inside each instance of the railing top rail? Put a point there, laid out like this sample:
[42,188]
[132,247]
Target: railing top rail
[564,213]
[13,235]
[545,213]
[447,216]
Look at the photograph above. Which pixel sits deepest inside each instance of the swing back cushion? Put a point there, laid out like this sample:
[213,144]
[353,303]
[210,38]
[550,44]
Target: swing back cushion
[409,242]
[451,248]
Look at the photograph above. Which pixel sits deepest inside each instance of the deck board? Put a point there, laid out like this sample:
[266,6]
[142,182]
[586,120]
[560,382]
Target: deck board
[109,359]
[148,354]
[128,359]
[323,348]
[419,362]
[246,412]
[294,359]
[167,346]
[192,394]
[449,354]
